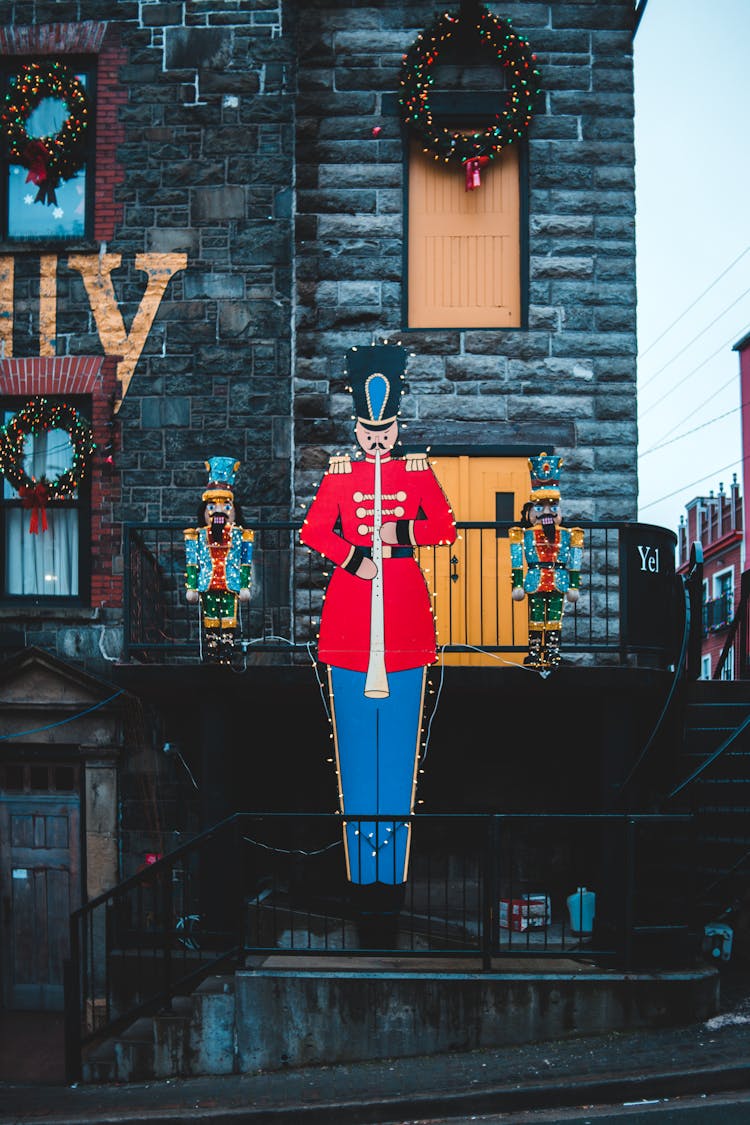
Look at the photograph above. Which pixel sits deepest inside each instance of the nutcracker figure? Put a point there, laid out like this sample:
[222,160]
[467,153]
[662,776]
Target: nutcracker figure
[218,555]
[377,628]
[552,555]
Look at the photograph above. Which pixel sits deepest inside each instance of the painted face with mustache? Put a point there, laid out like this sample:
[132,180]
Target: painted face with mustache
[548,515]
[219,515]
[374,440]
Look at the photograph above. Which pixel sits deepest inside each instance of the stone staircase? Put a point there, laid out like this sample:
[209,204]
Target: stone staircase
[196,1036]
[718,711]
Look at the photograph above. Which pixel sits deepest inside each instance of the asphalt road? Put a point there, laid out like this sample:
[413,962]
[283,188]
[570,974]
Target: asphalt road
[716,1109]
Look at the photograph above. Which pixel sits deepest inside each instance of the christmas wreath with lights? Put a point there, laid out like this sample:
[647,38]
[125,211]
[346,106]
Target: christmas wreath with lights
[35,417]
[508,126]
[48,159]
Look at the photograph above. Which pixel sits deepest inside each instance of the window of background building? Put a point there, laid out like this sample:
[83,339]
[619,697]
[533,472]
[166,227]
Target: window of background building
[705,668]
[727,671]
[723,593]
[69,218]
[48,564]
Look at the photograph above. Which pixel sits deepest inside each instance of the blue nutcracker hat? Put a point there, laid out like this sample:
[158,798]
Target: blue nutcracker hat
[376,375]
[545,471]
[221,474]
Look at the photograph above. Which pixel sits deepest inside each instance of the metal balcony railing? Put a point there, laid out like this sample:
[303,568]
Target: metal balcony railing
[477,621]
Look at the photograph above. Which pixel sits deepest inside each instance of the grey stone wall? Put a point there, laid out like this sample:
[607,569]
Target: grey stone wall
[568,379]
[208,159]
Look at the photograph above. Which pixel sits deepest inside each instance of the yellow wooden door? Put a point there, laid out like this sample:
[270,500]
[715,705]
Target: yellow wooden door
[464,267]
[471,582]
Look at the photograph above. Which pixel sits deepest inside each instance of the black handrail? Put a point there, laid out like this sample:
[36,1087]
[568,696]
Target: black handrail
[677,677]
[283,891]
[726,745]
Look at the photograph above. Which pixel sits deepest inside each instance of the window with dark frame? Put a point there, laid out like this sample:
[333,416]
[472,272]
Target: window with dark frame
[42,566]
[68,216]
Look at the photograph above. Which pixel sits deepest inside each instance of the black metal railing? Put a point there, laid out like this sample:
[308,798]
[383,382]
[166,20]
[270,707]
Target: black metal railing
[487,887]
[476,617]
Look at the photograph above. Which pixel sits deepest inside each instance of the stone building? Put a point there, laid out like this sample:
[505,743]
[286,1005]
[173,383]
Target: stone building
[248,205]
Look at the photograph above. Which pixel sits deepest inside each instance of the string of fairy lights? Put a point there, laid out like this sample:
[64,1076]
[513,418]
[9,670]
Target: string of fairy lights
[509,126]
[61,155]
[39,416]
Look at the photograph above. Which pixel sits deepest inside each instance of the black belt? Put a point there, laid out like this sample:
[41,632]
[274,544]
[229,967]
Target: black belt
[395,552]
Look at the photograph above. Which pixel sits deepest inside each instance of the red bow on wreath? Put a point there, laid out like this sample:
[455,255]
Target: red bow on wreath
[35,497]
[473,164]
[36,158]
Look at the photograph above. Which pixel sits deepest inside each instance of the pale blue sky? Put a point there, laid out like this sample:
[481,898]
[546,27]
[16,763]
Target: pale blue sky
[692,98]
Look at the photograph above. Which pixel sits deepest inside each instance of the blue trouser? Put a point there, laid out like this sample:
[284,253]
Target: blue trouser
[377,745]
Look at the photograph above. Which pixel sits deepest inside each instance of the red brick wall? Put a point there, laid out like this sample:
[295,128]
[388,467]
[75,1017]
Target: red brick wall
[95,376]
[109,134]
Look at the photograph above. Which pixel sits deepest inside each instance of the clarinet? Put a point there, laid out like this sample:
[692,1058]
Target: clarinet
[376,682]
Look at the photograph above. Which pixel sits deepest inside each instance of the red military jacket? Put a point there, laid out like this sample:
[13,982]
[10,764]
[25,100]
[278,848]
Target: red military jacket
[411,494]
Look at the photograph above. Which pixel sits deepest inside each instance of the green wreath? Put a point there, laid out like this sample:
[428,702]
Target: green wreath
[48,159]
[34,417]
[508,126]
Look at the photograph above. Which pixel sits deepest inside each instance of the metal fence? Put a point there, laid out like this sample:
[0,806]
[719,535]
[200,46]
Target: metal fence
[484,887]
[477,621]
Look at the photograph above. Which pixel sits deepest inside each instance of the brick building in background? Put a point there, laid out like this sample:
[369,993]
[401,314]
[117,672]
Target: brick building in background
[716,523]
[720,525]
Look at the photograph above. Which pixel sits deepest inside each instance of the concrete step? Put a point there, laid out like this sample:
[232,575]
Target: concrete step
[196,1035]
[170,1028]
[211,1045]
[134,1052]
[99,1064]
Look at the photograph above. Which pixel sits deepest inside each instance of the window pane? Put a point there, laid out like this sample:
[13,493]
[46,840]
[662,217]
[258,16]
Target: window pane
[14,777]
[46,454]
[67,217]
[39,777]
[45,564]
[724,583]
[64,778]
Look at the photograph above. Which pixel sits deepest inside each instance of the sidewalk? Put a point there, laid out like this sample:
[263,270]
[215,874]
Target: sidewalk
[611,1068]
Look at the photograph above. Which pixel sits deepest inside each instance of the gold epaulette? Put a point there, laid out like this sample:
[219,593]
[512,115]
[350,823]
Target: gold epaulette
[416,462]
[341,463]
[247,534]
[576,536]
[515,534]
[190,533]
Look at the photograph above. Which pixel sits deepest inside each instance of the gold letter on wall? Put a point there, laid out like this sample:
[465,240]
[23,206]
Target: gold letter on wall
[7,269]
[95,271]
[47,303]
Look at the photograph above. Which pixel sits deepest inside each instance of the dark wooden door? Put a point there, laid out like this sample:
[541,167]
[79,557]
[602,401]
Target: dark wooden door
[39,888]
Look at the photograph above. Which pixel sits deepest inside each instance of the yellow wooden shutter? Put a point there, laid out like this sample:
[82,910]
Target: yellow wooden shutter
[464,267]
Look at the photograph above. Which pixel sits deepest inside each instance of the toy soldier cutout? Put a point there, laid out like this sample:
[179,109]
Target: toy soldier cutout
[552,554]
[377,628]
[218,557]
